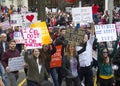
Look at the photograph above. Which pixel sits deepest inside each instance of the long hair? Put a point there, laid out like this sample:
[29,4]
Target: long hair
[41,56]
[104,59]
[68,53]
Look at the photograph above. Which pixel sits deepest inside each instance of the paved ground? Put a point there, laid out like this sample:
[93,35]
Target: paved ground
[22,80]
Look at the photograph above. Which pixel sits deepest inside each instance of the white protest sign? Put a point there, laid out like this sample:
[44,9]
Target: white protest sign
[30,17]
[68,9]
[16,63]
[16,20]
[118,27]
[5,25]
[54,10]
[105,32]
[18,37]
[32,37]
[82,15]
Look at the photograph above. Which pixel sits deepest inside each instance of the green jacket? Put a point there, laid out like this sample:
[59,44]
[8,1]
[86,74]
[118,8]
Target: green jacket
[33,71]
[106,69]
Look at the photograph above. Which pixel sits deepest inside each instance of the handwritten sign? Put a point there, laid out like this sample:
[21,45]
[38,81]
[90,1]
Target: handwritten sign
[56,58]
[82,15]
[105,32]
[16,63]
[18,38]
[32,37]
[46,39]
[5,25]
[16,20]
[30,17]
[75,36]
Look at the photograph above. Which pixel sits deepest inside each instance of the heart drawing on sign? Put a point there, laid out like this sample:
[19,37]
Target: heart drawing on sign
[30,17]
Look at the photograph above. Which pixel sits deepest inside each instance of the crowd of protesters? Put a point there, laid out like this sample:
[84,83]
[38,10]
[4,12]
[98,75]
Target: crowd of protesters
[77,61]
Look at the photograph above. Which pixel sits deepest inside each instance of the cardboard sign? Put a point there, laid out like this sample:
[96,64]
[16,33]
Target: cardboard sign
[46,39]
[56,58]
[82,15]
[32,37]
[17,36]
[16,63]
[75,36]
[105,32]
[16,20]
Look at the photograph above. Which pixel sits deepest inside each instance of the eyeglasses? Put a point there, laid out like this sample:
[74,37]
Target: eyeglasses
[105,52]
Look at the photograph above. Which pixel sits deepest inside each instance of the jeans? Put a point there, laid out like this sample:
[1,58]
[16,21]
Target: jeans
[31,83]
[54,76]
[3,73]
[61,75]
[13,78]
[87,74]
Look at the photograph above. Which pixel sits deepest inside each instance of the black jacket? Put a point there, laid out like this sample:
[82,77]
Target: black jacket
[66,67]
[1,48]
[116,61]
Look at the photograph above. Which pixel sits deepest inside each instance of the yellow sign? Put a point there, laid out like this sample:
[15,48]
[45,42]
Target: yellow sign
[46,39]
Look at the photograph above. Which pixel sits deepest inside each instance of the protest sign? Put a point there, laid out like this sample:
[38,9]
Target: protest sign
[32,37]
[46,39]
[105,32]
[68,9]
[5,25]
[82,15]
[118,27]
[56,58]
[16,63]
[30,17]
[17,36]
[75,36]
[16,20]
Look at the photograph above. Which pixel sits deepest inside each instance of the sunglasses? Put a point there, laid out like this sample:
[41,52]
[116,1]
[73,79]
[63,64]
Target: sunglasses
[105,52]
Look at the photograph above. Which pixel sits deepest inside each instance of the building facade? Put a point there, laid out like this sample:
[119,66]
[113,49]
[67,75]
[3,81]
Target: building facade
[14,3]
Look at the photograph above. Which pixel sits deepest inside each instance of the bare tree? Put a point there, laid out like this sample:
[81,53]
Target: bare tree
[41,10]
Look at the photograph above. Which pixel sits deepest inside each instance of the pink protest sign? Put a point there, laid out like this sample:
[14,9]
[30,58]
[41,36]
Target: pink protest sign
[32,38]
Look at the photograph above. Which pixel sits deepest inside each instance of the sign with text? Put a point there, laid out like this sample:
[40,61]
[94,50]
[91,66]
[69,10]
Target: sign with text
[16,63]
[75,36]
[17,36]
[5,25]
[32,37]
[30,17]
[105,32]
[16,20]
[46,39]
[82,15]
[56,58]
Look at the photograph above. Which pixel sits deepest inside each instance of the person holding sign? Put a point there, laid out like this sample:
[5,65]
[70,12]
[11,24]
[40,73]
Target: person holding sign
[37,73]
[105,71]
[85,58]
[12,52]
[61,41]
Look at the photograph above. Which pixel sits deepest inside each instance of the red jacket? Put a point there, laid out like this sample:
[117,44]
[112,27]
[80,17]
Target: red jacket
[9,54]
